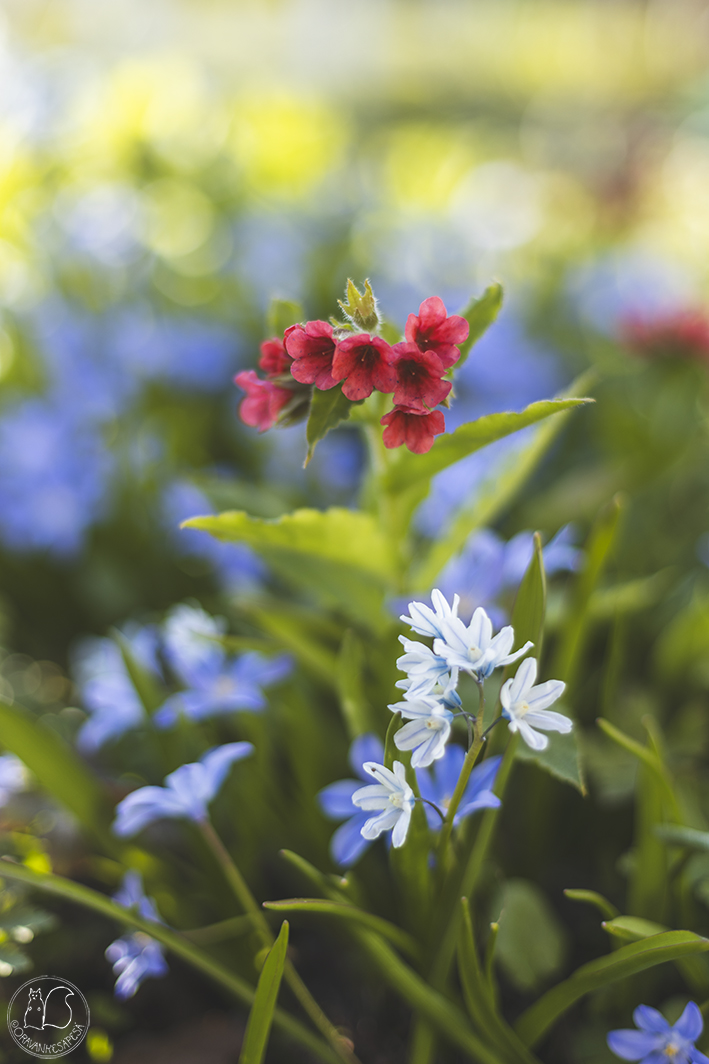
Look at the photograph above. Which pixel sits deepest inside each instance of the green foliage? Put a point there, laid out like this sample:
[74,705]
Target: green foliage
[327,410]
[260,1020]
[283,313]
[531,944]
[669,946]
[59,771]
[480,314]
[342,911]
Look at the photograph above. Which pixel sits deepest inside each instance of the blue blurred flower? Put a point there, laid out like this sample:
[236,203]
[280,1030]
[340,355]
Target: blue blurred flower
[236,564]
[105,688]
[13,777]
[55,478]
[191,639]
[223,686]
[656,1042]
[347,844]
[437,785]
[136,956]
[186,794]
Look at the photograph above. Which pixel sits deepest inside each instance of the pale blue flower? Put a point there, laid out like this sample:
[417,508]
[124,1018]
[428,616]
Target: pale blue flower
[186,794]
[192,638]
[425,669]
[222,686]
[392,799]
[13,777]
[429,622]
[437,786]
[430,719]
[656,1042]
[526,706]
[474,648]
[348,844]
[106,692]
[135,956]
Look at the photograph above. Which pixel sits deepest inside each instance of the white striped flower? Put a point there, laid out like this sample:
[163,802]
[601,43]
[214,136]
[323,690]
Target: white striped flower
[391,798]
[526,706]
[474,648]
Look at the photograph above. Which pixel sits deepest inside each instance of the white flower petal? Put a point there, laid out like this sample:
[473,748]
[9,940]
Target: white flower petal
[373,827]
[533,739]
[398,835]
[545,694]
[517,654]
[547,720]
[524,680]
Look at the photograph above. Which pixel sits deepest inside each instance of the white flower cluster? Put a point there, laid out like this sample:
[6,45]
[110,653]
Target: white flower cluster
[431,701]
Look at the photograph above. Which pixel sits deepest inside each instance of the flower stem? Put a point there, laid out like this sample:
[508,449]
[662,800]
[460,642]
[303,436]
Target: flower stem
[261,925]
[473,751]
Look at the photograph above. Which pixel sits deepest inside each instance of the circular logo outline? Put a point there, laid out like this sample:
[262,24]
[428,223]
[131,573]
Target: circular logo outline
[47,1053]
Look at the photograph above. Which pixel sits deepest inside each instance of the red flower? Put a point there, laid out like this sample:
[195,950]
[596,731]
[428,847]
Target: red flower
[274,357]
[311,346]
[264,400]
[364,363]
[416,428]
[679,334]
[434,331]
[418,377]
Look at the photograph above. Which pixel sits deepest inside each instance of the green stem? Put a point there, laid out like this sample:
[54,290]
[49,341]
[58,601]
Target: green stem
[172,940]
[467,768]
[261,925]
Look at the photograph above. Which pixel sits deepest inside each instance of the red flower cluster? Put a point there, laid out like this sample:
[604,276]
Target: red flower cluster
[318,354]
[677,334]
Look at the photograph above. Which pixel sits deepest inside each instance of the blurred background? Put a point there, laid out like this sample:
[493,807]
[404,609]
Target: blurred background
[167,168]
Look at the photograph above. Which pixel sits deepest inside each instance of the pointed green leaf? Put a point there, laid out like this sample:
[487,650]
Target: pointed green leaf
[496,492]
[147,687]
[561,759]
[350,686]
[480,313]
[676,835]
[327,410]
[282,313]
[531,942]
[593,898]
[260,1019]
[632,928]
[413,469]
[343,911]
[59,771]
[670,946]
[529,610]
[176,943]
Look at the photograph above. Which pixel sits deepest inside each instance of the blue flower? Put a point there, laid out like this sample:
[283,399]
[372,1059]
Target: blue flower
[437,786]
[105,688]
[222,686]
[191,638]
[236,564]
[136,956]
[347,844]
[656,1042]
[54,478]
[186,794]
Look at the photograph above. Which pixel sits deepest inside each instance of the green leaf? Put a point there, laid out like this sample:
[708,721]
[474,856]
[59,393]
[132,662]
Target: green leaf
[59,771]
[593,898]
[496,492]
[628,960]
[649,758]
[283,313]
[531,602]
[176,943]
[480,314]
[576,627]
[561,759]
[147,687]
[341,555]
[260,1019]
[399,938]
[391,753]
[350,687]
[479,1000]
[531,943]
[292,633]
[632,928]
[327,410]
[676,835]
[413,470]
